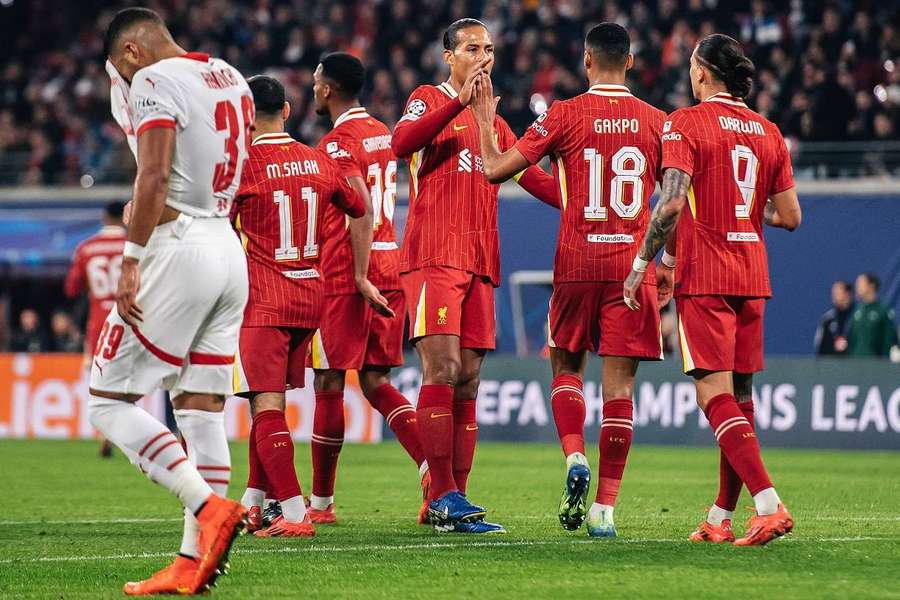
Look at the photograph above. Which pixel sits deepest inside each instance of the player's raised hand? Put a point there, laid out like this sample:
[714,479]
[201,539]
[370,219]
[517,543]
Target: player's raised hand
[126,293]
[374,297]
[632,284]
[484,105]
[665,284]
[467,92]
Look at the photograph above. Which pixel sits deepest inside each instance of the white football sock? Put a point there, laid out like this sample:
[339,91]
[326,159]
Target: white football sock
[576,458]
[716,515]
[320,502]
[253,497]
[151,447]
[190,536]
[423,468]
[766,502]
[293,509]
[597,508]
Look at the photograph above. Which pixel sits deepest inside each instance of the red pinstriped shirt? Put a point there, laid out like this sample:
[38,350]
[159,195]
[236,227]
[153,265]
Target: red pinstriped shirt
[736,159]
[606,153]
[361,145]
[278,211]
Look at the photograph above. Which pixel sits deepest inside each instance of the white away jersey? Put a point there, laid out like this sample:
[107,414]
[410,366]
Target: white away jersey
[210,106]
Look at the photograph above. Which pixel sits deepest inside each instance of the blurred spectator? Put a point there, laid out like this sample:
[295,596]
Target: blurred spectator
[64,334]
[873,331]
[30,337]
[831,336]
[821,66]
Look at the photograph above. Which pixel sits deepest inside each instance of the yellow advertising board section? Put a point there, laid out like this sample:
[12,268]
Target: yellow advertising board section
[45,396]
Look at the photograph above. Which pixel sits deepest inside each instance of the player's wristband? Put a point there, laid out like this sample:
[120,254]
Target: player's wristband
[134,251]
[639,264]
[668,260]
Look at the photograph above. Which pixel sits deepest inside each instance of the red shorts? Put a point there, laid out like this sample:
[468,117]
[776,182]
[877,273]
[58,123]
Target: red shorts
[721,333]
[448,301]
[271,359]
[593,316]
[352,334]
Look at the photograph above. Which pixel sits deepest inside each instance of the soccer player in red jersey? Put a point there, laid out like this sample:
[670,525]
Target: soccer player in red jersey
[450,263]
[606,152]
[279,212]
[731,167]
[355,333]
[95,269]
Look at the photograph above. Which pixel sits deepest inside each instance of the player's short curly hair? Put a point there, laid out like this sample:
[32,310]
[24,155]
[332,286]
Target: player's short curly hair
[451,36]
[268,94]
[124,20]
[609,43]
[346,72]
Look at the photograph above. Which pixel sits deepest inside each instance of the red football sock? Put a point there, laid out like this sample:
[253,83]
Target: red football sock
[567,403]
[616,432]
[738,442]
[729,482]
[435,417]
[400,416]
[465,436]
[327,440]
[256,479]
[275,449]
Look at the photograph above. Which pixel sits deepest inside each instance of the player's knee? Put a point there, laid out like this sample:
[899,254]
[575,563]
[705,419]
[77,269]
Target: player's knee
[329,380]
[743,386]
[442,372]
[467,384]
[369,381]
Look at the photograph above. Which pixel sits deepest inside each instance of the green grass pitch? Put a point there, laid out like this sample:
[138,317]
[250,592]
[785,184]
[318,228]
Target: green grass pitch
[75,526]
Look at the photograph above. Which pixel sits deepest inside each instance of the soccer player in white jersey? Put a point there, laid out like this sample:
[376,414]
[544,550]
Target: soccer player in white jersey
[183,286]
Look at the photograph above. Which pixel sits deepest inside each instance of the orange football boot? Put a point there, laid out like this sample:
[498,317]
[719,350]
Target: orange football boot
[762,529]
[322,517]
[254,519]
[282,528]
[707,532]
[177,578]
[426,498]
[221,521]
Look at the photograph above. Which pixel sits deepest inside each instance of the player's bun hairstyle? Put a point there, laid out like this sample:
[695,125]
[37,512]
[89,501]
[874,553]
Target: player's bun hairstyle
[451,36]
[724,56]
[268,94]
[346,72]
[123,21]
[609,43]
[873,280]
[114,210]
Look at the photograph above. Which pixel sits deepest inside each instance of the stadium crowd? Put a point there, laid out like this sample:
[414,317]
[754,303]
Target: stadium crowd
[825,71]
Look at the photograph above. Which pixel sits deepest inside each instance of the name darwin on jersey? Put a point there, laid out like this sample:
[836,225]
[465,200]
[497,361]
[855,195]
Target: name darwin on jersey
[292,168]
[738,126]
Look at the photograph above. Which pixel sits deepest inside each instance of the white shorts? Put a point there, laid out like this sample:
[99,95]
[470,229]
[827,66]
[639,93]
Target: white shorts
[193,291]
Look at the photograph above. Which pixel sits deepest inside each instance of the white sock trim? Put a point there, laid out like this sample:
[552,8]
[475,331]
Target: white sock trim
[423,468]
[766,501]
[320,502]
[718,514]
[293,509]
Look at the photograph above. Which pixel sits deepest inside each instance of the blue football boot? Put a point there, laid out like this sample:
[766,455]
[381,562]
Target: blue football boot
[481,527]
[600,523]
[574,497]
[451,508]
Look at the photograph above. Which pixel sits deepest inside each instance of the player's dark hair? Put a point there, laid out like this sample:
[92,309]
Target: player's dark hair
[724,56]
[346,72]
[609,43]
[123,21]
[114,210]
[451,36]
[844,284]
[873,279]
[268,94]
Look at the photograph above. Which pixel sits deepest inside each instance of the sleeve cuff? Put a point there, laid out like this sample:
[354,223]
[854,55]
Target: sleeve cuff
[526,151]
[154,124]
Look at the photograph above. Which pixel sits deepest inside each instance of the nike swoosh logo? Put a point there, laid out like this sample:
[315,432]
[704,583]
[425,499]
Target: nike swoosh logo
[459,127]
[433,416]
[471,427]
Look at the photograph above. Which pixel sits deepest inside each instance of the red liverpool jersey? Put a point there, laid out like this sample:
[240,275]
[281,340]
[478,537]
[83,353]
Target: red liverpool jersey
[606,153]
[736,159]
[285,188]
[95,268]
[361,145]
[452,206]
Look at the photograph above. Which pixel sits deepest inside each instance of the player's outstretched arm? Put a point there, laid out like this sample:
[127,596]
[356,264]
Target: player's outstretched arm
[783,210]
[672,199]
[361,233]
[417,129]
[155,149]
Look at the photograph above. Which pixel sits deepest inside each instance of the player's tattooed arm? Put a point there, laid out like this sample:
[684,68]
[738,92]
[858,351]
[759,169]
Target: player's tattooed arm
[498,166]
[672,199]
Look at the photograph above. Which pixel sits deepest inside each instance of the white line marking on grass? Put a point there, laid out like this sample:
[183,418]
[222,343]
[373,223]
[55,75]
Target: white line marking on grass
[415,546]
[91,521]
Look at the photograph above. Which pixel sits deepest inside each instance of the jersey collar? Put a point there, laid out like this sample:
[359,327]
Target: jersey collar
[604,89]
[726,98]
[448,89]
[357,112]
[199,56]
[272,138]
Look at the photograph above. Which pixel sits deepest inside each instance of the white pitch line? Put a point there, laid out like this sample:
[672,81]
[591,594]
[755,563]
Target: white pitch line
[418,546]
[91,521]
